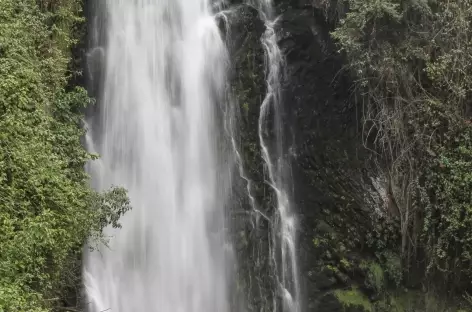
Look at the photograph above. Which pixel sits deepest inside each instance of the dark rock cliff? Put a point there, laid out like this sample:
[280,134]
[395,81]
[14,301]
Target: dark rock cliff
[332,180]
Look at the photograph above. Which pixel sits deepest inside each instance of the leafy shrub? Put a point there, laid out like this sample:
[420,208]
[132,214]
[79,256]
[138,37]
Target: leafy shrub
[412,64]
[375,278]
[393,267]
[353,298]
[45,198]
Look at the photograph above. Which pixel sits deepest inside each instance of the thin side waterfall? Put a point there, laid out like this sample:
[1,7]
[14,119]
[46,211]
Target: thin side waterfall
[271,137]
[157,132]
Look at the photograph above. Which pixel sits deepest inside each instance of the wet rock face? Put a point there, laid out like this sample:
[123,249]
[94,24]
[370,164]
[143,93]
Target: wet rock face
[330,173]
[251,234]
[328,163]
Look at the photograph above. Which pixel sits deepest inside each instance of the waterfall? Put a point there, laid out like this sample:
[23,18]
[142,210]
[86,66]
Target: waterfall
[283,249]
[158,134]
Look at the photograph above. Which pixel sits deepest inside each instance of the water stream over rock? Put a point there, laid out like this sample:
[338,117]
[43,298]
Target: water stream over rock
[166,130]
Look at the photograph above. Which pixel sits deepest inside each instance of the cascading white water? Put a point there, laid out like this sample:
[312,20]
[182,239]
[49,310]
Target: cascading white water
[158,137]
[283,247]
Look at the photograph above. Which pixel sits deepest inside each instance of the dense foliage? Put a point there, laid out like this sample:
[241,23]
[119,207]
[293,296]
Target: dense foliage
[45,200]
[412,61]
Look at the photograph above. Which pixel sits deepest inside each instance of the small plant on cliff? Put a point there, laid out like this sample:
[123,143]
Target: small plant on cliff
[353,298]
[393,267]
[375,277]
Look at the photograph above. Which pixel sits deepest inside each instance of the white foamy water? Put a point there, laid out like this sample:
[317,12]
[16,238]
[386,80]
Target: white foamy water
[158,136]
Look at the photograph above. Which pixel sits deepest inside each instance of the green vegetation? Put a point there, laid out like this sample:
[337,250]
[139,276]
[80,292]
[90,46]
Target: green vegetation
[353,298]
[393,267]
[412,62]
[47,210]
[417,301]
[375,275]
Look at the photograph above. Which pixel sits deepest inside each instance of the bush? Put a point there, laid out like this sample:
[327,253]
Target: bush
[412,64]
[353,298]
[375,278]
[45,198]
